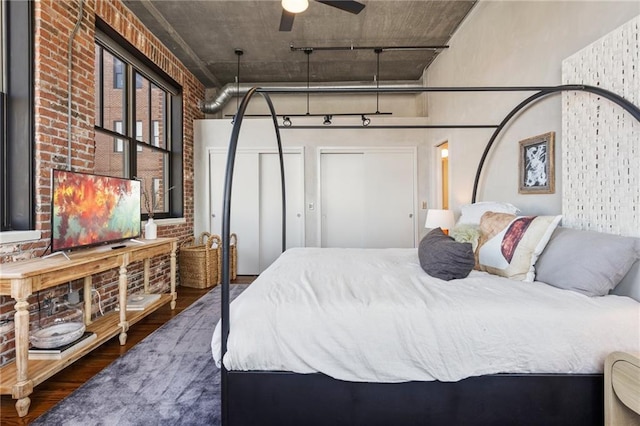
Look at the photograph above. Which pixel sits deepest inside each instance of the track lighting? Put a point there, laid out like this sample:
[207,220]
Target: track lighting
[327,120]
[286,122]
[365,121]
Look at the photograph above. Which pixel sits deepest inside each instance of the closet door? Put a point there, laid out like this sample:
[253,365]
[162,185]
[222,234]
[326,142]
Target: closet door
[245,213]
[343,204]
[271,205]
[389,199]
[256,206]
[367,199]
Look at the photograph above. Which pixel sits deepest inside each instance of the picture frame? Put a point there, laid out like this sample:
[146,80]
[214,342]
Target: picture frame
[537,171]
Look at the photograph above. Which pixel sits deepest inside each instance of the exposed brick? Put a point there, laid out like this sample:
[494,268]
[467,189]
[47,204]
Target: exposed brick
[53,25]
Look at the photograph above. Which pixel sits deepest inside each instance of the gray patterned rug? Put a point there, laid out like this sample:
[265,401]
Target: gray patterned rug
[168,378]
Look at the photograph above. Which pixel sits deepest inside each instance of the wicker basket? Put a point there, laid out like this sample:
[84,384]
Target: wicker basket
[233,258]
[233,251]
[199,261]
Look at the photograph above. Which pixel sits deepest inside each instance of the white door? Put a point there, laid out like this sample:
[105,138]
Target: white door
[256,205]
[367,199]
[342,199]
[389,199]
[245,215]
[271,205]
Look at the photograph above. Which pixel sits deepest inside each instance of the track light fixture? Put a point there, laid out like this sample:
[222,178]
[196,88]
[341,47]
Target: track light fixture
[286,121]
[327,120]
[365,121]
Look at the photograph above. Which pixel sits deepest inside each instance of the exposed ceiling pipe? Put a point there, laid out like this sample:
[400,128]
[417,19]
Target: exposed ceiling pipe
[232,89]
[69,80]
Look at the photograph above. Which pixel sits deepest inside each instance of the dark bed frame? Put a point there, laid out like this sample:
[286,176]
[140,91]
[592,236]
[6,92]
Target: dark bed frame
[285,398]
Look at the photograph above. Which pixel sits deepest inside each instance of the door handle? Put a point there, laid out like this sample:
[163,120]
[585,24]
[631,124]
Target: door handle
[410,215]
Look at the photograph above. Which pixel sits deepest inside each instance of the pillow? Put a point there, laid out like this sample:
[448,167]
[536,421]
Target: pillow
[466,233]
[442,257]
[471,213]
[588,262]
[510,245]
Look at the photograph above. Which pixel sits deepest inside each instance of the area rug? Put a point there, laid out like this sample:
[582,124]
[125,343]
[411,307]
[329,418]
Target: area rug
[168,378]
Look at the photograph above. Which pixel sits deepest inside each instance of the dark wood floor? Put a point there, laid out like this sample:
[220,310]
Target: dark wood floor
[53,390]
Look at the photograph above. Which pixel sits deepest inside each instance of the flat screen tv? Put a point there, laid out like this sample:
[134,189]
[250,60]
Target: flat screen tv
[89,209]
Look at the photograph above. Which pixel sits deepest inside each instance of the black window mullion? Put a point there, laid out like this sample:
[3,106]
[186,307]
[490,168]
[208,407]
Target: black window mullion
[100,105]
[149,114]
[18,159]
[130,87]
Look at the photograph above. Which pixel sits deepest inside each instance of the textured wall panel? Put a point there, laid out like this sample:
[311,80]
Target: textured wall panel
[601,142]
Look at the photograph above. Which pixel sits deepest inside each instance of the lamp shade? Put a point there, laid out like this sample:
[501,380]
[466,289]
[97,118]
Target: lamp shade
[295,6]
[437,218]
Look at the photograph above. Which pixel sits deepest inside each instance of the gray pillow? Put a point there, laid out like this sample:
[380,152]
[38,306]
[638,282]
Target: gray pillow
[443,257]
[588,262]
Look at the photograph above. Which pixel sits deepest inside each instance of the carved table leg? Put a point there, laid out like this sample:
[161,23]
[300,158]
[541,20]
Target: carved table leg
[122,287]
[174,295]
[22,406]
[147,273]
[24,386]
[88,297]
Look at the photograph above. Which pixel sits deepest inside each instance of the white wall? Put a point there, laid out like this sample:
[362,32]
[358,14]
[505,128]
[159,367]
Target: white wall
[259,133]
[517,43]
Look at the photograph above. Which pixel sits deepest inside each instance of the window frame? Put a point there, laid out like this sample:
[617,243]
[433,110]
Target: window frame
[135,64]
[17,146]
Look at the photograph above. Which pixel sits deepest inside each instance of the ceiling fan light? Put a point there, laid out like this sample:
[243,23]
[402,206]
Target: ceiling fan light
[295,6]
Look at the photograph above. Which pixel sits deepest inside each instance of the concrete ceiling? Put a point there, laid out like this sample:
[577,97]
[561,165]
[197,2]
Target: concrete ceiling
[205,34]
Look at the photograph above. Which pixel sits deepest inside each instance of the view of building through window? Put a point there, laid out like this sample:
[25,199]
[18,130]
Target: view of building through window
[132,137]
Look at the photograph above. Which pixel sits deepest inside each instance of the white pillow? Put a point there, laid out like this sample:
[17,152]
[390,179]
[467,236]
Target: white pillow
[510,245]
[471,213]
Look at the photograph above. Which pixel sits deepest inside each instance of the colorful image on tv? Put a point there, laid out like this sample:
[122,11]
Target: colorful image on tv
[90,209]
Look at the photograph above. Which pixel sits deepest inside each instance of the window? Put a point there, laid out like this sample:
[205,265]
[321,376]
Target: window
[156,133]
[119,142]
[118,75]
[16,117]
[148,117]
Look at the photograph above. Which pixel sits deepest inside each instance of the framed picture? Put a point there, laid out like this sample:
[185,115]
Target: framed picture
[537,174]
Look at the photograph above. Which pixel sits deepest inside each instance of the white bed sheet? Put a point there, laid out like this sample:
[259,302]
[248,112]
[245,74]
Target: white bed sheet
[373,315]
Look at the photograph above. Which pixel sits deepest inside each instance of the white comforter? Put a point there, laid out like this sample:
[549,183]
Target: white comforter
[374,315]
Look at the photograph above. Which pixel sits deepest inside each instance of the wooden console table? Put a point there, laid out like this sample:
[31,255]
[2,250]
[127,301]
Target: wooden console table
[21,279]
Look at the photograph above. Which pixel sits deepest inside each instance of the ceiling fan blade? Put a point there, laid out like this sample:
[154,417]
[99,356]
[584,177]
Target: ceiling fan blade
[286,21]
[348,6]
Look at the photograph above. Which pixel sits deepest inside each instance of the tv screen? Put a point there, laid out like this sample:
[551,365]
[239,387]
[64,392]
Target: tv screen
[88,210]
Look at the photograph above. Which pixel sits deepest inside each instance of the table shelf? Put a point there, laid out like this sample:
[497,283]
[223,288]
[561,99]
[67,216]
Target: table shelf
[105,327]
[21,279]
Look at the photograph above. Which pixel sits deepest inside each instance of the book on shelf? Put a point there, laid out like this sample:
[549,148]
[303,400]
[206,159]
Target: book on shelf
[138,302]
[63,351]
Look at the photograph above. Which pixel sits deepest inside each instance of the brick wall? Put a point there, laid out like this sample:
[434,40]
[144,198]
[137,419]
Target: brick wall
[54,22]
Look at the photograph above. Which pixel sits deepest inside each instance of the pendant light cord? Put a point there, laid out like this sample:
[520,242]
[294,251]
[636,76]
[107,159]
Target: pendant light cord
[378,51]
[308,52]
[238,52]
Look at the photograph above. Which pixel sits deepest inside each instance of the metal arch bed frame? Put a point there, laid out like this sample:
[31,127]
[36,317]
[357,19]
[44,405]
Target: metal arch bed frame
[285,398]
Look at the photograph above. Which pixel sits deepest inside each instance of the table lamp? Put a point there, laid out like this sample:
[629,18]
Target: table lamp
[438,218]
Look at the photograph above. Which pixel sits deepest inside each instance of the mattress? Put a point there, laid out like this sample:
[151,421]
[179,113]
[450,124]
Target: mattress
[373,315]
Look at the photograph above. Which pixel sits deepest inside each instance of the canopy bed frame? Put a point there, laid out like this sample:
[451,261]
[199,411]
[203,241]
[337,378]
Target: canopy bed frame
[273,397]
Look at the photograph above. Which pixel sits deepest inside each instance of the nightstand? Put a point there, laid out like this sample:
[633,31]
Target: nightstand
[622,389]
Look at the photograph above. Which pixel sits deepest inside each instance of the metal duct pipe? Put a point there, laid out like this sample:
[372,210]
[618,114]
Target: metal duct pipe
[233,89]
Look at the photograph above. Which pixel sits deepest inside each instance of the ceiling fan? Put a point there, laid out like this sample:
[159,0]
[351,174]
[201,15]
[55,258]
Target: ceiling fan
[291,7]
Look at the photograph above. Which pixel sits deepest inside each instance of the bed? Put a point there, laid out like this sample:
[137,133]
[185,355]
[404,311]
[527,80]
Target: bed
[362,316]
[308,343]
